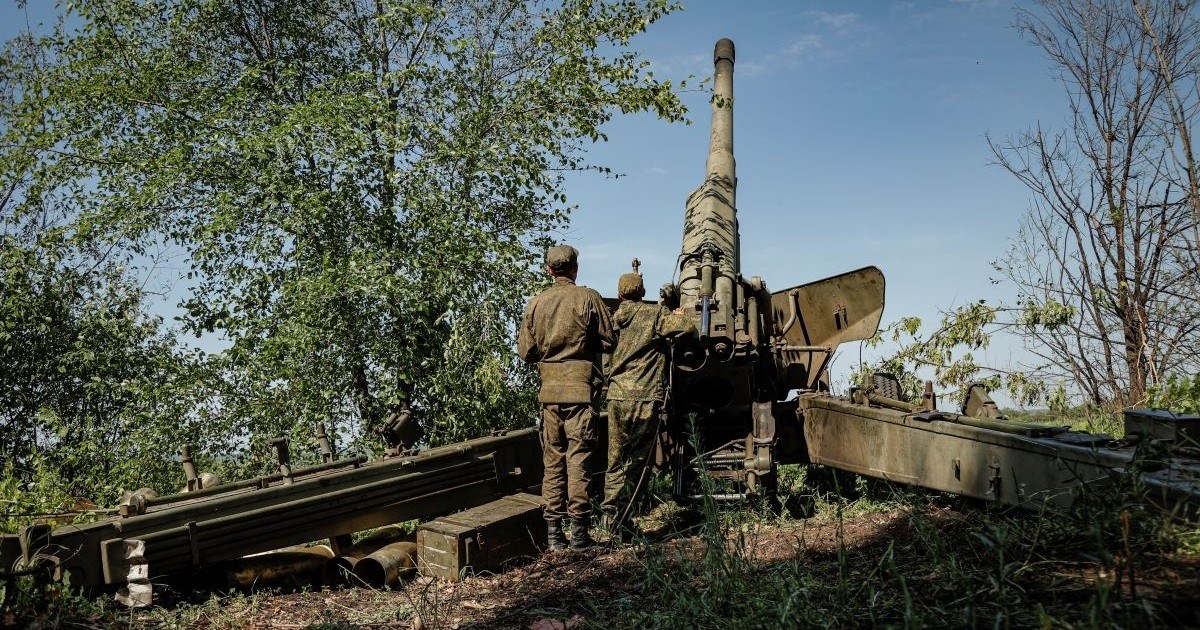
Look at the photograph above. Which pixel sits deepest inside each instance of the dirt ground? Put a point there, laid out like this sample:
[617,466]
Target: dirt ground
[554,591]
[562,590]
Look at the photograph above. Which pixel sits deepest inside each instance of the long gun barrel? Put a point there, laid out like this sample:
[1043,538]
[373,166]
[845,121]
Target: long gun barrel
[709,264]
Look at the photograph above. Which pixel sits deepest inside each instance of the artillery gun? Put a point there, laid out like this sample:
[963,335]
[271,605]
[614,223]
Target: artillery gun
[754,346]
[753,390]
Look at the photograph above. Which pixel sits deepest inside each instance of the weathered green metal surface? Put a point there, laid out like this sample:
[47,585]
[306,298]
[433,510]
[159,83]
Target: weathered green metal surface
[815,318]
[483,539]
[191,532]
[990,459]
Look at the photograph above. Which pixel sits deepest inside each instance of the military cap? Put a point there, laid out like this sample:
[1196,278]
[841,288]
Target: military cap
[561,257]
[630,285]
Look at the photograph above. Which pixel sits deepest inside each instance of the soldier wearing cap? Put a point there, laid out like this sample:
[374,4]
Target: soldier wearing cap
[565,330]
[636,394]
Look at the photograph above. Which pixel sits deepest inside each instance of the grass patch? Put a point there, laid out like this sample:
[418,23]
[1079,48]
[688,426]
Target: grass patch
[32,601]
[1089,418]
[863,553]
[887,556]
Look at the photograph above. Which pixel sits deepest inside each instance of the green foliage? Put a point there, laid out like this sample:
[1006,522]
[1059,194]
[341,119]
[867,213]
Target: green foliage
[948,353]
[1178,393]
[30,601]
[1108,420]
[1047,315]
[86,377]
[27,494]
[358,192]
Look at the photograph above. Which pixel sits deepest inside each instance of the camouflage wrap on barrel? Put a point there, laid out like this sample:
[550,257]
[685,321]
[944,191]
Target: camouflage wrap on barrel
[710,230]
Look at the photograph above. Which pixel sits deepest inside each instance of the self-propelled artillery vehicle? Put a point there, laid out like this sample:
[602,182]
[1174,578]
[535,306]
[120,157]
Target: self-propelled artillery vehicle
[751,391]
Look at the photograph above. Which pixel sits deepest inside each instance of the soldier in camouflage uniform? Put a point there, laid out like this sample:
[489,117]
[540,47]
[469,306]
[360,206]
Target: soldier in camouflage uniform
[636,394]
[565,330]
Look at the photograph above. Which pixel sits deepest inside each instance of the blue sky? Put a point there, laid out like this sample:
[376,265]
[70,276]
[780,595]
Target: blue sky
[859,134]
[859,137]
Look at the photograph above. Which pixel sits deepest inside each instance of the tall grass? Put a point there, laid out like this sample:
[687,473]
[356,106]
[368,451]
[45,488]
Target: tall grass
[864,554]
[932,566]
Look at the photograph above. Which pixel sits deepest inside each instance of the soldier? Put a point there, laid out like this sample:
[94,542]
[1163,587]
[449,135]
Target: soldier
[565,330]
[636,394]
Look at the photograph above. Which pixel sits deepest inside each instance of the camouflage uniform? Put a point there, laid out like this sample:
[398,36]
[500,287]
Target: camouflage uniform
[636,389]
[565,329]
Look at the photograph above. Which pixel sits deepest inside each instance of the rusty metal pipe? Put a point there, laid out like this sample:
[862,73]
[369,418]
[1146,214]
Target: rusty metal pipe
[171,550]
[388,564]
[342,566]
[793,311]
[794,348]
[344,483]
[706,276]
[753,331]
[333,503]
[225,525]
[284,457]
[324,444]
[248,485]
[274,567]
[229,529]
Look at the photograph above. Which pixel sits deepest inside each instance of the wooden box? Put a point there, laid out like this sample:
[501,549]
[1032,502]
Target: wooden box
[484,539]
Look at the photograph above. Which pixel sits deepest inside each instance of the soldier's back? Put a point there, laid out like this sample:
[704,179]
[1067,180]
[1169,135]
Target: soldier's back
[638,364]
[560,319]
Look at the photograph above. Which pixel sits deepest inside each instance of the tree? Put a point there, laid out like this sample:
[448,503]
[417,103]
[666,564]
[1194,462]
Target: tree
[947,354]
[1106,260]
[89,397]
[361,189]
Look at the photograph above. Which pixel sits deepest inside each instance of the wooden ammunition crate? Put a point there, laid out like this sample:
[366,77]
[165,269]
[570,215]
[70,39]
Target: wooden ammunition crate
[483,539]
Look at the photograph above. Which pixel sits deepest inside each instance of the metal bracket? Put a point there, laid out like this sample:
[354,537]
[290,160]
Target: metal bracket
[194,542]
[994,481]
[284,457]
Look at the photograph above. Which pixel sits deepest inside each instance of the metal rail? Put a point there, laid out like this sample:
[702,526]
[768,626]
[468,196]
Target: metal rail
[192,530]
[990,459]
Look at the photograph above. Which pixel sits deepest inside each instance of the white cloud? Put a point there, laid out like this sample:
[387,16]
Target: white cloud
[804,44]
[825,36]
[837,21]
[655,170]
[828,36]
[754,68]
[680,66]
